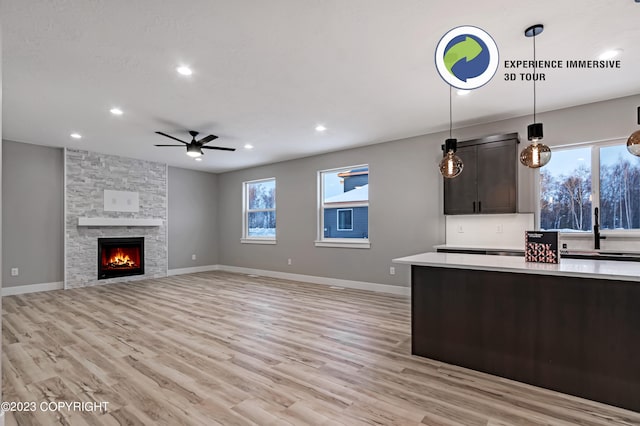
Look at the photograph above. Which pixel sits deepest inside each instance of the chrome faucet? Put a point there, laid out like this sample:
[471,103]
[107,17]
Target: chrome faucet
[596,230]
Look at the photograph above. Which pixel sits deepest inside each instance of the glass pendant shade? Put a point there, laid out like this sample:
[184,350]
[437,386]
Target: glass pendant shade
[450,165]
[633,143]
[535,155]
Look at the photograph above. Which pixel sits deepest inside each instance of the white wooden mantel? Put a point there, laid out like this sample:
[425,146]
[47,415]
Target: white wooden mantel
[109,221]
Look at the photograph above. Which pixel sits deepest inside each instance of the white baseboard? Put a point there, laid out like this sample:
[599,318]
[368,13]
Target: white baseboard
[192,270]
[32,288]
[359,285]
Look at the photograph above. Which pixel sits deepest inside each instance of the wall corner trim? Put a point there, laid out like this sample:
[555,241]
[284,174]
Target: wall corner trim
[32,288]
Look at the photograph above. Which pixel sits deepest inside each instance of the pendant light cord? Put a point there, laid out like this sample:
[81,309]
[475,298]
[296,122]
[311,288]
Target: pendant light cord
[534,77]
[450,112]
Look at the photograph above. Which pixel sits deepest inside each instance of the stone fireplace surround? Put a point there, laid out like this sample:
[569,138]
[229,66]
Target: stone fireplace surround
[87,175]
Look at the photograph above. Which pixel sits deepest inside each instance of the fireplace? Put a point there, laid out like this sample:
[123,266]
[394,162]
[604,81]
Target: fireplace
[120,257]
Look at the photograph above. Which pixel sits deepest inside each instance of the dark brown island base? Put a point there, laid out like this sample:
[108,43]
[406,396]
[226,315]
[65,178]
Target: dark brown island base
[572,327]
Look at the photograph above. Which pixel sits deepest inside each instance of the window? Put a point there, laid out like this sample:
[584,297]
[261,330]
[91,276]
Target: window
[345,219]
[565,191]
[259,221]
[343,213]
[619,188]
[577,180]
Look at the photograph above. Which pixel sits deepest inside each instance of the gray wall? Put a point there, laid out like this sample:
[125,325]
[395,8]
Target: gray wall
[404,219]
[33,221]
[192,218]
[32,214]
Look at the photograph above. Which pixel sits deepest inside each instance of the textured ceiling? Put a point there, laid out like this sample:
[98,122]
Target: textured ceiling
[266,72]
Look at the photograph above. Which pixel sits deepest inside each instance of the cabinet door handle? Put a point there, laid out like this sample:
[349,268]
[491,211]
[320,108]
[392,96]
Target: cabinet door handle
[474,206]
[479,206]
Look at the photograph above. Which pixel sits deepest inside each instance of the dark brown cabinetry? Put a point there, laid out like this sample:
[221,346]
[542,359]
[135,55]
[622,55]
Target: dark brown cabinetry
[489,181]
[579,336]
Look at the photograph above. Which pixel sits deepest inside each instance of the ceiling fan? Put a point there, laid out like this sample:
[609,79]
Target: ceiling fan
[195,147]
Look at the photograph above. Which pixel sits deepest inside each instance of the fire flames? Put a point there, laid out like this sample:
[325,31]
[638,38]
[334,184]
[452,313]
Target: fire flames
[120,259]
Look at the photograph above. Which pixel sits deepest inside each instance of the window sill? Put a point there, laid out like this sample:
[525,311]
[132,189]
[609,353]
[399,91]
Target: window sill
[360,244]
[258,241]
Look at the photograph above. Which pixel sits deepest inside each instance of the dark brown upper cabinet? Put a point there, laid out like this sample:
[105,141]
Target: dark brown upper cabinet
[489,180]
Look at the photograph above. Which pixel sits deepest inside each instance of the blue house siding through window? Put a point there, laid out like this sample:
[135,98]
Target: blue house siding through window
[355,180]
[359,223]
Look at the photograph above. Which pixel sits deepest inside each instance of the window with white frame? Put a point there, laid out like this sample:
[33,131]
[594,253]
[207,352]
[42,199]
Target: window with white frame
[259,205]
[578,179]
[343,207]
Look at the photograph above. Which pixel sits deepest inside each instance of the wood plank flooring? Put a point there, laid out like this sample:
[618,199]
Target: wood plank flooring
[219,348]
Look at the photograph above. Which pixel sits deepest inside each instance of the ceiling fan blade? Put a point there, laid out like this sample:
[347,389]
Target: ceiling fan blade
[171,137]
[181,146]
[221,148]
[207,139]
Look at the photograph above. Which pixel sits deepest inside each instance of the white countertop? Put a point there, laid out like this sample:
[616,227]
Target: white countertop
[586,268]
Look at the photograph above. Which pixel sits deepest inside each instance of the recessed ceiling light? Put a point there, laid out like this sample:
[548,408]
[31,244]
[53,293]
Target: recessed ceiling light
[76,135]
[184,70]
[248,146]
[609,54]
[320,128]
[116,111]
[462,92]
[198,158]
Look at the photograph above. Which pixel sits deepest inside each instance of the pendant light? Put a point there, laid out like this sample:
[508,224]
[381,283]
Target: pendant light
[633,143]
[450,165]
[536,154]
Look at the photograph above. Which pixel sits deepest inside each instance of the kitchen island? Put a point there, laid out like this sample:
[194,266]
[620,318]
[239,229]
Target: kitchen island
[572,327]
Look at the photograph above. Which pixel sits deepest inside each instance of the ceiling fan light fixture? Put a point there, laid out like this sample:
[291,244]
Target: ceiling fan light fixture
[194,151]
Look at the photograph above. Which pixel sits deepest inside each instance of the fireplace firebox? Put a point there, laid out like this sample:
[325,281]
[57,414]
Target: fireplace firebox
[120,257]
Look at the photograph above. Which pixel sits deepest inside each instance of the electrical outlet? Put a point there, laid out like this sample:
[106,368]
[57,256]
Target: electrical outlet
[499,229]
[193,257]
[460,229]
[288,261]
[392,270]
[15,272]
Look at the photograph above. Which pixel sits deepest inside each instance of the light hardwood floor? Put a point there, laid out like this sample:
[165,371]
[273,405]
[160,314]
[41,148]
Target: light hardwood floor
[220,348]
